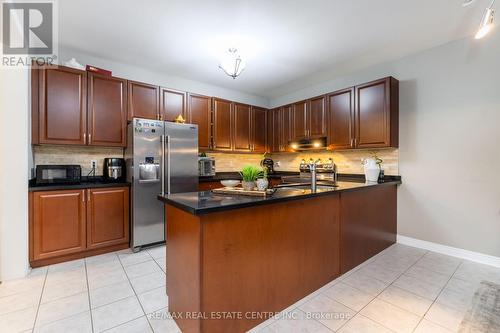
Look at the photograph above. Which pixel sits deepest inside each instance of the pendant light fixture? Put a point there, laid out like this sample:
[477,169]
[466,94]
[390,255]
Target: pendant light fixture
[232,64]
[487,22]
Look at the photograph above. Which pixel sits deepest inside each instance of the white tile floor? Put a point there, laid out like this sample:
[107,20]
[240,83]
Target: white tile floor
[402,289]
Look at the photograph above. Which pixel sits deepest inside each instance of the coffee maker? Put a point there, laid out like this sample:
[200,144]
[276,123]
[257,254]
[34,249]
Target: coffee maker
[114,169]
[268,164]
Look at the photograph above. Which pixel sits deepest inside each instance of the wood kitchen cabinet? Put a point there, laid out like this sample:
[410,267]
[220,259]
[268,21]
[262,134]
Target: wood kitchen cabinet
[199,112]
[69,224]
[300,120]
[58,223]
[107,111]
[341,119]
[277,130]
[59,106]
[316,116]
[377,114]
[172,104]
[259,130]
[107,217]
[143,101]
[222,129]
[286,128]
[242,127]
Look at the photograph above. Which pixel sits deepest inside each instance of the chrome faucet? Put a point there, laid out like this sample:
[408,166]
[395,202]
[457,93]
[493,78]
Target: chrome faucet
[312,169]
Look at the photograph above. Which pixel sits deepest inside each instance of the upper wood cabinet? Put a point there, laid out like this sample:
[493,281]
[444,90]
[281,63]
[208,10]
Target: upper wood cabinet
[59,106]
[377,114]
[222,136]
[259,130]
[107,217]
[286,127]
[199,112]
[316,115]
[242,127]
[341,119]
[277,124]
[143,100]
[107,115]
[172,104]
[57,223]
[300,120]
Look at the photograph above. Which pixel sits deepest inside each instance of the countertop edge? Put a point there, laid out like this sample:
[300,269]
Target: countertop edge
[62,187]
[204,211]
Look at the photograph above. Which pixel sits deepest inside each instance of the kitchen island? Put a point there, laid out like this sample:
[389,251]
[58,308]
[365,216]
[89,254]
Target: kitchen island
[234,261]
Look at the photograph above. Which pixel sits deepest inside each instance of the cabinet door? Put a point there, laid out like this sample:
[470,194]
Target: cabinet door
[242,121]
[317,117]
[58,226]
[62,105]
[300,120]
[200,114]
[286,127]
[107,104]
[372,117]
[107,217]
[259,129]
[270,130]
[222,124]
[340,119]
[277,130]
[172,104]
[143,101]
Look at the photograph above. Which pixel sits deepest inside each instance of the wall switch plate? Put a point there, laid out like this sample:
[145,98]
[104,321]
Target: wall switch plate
[93,164]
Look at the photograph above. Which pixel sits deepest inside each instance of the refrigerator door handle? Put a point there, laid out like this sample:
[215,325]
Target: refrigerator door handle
[162,139]
[168,164]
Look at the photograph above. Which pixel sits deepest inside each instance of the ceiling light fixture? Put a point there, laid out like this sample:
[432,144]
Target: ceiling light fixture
[232,64]
[487,22]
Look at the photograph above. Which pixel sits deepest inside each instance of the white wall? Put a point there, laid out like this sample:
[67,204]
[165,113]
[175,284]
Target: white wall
[14,143]
[449,141]
[131,72]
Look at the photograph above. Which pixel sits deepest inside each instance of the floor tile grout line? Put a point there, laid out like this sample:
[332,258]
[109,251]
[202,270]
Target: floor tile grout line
[434,302]
[135,293]
[88,295]
[40,300]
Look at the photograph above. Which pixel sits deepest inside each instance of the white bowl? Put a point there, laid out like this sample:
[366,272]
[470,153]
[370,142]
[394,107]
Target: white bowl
[230,183]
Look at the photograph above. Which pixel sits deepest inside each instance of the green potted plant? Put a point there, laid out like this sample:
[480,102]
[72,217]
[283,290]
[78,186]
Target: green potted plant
[249,174]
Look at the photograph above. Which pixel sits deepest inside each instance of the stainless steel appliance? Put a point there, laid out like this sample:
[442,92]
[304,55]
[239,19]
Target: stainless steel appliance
[324,171]
[58,174]
[206,166]
[114,169]
[161,157]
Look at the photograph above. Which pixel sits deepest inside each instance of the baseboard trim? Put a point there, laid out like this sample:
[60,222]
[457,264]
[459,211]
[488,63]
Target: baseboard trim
[450,251]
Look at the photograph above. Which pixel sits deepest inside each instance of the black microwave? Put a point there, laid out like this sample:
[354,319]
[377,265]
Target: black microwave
[58,174]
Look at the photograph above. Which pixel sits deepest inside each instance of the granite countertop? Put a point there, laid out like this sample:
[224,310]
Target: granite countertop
[198,203]
[235,175]
[86,182]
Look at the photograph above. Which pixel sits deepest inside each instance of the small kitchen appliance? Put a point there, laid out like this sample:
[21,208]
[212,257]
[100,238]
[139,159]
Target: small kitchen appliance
[114,169]
[58,174]
[268,164]
[206,166]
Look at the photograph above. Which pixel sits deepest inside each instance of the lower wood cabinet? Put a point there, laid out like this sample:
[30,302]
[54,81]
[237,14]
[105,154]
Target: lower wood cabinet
[69,224]
[107,217]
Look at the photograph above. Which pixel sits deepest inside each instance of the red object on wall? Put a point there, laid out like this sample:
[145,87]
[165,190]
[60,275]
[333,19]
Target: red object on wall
[98,70]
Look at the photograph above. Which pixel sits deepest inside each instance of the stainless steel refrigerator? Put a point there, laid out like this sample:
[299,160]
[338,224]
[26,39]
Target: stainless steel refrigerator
[161,157]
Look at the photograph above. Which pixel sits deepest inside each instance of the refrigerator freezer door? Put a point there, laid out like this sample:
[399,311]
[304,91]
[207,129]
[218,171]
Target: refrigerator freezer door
[181,158]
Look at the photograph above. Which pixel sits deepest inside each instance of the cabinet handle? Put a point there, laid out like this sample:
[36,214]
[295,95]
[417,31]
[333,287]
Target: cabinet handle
[83,196]
[352,143]
[84,138]
[88,195]
[355,142]
[90,138]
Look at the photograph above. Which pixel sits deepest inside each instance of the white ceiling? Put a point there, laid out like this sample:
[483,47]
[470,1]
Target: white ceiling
[282,41]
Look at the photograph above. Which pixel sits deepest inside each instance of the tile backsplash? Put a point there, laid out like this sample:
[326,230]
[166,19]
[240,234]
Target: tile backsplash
[348,161]
[227,162]
[75,155]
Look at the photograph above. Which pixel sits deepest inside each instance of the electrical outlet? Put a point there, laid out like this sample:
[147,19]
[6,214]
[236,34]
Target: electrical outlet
[93,164]
[277,163]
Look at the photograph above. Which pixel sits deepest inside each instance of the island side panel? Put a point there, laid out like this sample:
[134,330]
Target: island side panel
[265,258]
[368,224]
[183,284]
